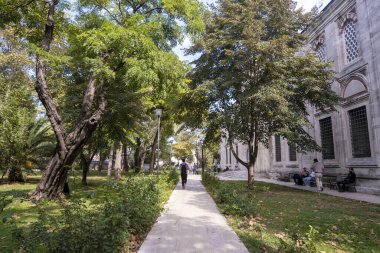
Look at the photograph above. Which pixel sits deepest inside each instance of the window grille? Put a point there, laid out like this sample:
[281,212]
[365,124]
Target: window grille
[277,141]
[359,132]
[321,52]
[350,36]
[292,153]
[327,138]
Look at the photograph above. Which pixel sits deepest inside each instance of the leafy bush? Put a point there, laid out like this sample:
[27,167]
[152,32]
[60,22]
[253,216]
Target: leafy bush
[211,182]
[228,198]
[127,207]
[79,228]
[173,176]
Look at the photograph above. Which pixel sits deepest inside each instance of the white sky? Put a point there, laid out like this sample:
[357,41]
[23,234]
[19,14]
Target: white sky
[306,4]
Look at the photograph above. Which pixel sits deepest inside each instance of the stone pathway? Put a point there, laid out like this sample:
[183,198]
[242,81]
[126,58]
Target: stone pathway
[192,223]
[242,175]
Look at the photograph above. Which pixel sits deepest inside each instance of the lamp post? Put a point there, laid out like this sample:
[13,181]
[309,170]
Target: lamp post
[158,114]
[197,153]
[203,161]
[171,141]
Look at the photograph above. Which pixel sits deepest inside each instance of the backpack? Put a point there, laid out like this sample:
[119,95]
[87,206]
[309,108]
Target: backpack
[183,168]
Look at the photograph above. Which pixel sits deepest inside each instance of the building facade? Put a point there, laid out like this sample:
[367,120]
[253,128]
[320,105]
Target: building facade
[348,35]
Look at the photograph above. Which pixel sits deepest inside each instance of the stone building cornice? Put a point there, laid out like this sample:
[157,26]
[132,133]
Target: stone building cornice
[331,13]
[351,15]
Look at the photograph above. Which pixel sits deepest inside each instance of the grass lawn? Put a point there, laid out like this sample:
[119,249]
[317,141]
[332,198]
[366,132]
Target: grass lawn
[25,213]
[275,218]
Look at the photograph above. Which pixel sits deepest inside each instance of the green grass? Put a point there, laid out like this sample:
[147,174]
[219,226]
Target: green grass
[24,213]
[278,219]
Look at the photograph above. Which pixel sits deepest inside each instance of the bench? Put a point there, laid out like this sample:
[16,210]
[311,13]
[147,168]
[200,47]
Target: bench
[348,186]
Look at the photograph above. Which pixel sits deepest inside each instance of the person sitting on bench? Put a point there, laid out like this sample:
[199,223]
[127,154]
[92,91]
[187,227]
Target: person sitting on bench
[350,179]
[306,180]
[298,178]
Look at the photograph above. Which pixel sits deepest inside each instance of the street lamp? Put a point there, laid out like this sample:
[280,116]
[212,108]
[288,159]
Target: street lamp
[158,114]
[203,161]
[171,141]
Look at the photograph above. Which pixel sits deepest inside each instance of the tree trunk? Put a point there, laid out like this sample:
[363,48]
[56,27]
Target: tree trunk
[85,167]
[253,151]
[250,164]
[85,164]
[136,156]
[142,161]
[250,183]
[53,184]
[110,162]
[153,152]
[15,175]
[101,164]
[118,158]
[126,160]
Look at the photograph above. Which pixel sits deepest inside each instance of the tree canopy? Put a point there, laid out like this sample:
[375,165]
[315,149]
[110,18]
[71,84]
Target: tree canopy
[257,80]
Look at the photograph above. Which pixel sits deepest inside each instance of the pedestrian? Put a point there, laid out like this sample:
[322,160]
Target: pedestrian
[318,168]
[195,169]
[350,179]
[184,167]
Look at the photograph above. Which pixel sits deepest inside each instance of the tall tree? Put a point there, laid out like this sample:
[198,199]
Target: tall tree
[123,44]
[257,80]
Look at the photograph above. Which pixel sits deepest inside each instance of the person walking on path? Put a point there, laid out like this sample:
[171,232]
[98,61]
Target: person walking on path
[184,169]
[318,168]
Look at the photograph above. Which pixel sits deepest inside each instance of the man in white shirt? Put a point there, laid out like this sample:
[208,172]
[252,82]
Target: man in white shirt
[318,168]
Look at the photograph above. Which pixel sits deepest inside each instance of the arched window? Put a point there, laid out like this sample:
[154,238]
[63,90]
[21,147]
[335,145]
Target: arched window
[321,51]
[351,40]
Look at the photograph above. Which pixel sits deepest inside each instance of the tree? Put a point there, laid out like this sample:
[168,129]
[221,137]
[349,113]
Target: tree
[128,47]
[257,82]
[23,137]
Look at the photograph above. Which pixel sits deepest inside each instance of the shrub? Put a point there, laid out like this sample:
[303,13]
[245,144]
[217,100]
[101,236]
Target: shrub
[211,182]
[173,177]
[78,228]
[128,207]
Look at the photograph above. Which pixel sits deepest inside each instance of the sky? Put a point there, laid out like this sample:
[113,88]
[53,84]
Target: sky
[306,4]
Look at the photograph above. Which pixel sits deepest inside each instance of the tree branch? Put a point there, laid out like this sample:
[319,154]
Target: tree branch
[237,156]
[113,17]
[41,84]
[149,12]
[88,100]
[136,8]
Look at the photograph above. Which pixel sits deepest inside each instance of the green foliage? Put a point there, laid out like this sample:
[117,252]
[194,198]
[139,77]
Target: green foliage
[173,176]
[22,137]
[79,228]
[117,210]
[229,200]
[211,182]
[253,79]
